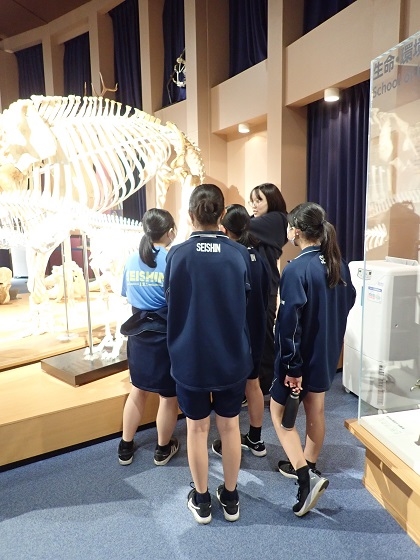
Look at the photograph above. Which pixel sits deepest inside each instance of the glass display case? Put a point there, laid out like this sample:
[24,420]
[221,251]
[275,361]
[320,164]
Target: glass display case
[382,345]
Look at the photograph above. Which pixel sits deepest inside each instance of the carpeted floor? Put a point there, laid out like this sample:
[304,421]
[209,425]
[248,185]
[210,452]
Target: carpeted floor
[84,505]
[19,286]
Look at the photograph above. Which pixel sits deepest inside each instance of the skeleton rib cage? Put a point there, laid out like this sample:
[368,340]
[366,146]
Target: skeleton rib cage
[85,149]
[77,158]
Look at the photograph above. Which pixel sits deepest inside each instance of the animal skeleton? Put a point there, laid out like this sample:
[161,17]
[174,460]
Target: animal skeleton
[62,158]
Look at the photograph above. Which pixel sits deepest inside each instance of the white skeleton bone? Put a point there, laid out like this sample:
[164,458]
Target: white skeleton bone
[5,284]
[63,157]
[111,240]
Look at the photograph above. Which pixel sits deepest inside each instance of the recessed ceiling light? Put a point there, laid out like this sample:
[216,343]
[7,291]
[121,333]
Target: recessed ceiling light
[243,128]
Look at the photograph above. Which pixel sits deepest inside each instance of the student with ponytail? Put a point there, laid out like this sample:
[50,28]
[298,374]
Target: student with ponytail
[207,280]
[235,223]
[147,351]
[316,297]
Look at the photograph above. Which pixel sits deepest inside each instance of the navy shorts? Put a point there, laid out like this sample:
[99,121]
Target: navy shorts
[149,363]
[197,405]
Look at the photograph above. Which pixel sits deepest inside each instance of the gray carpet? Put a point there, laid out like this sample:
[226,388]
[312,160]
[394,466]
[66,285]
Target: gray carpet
[19,286]
[84,505]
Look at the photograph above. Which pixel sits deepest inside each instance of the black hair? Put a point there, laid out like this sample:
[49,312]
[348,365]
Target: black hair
[206,204]
[310,218]
[156,222]
[236,220]
[275,200]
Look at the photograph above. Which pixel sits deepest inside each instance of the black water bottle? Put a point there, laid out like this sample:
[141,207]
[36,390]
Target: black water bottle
[290,411]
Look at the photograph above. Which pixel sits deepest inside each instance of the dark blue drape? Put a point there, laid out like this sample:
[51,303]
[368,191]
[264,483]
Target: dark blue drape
[77,75]
[318,11]
[247,34]
[125,21]
[174,45]
[337,164]
[31,72]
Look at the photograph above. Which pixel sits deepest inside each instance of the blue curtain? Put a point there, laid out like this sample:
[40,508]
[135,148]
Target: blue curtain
[77,75]
[318,11]
[174,45]
[247,34]
[337,164]
[31,72]
[125,22]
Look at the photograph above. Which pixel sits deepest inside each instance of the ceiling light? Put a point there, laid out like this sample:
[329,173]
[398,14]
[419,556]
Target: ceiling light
[243,128]
[332,94]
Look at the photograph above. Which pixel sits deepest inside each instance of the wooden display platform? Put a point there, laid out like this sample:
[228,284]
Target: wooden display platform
[391,481]
[18,347]
[41,414]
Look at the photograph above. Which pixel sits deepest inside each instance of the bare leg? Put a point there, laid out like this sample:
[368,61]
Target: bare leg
[198,458]
[255,399]
[231,444]
[289,439]
[315,425]
[133,412]
[166,418]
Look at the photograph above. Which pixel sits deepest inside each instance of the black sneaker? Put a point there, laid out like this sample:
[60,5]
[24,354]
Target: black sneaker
[160,458]
[309,494]
[245,402]
[257,448]
[230,508]
[125,452]
[217,447]
[201,512]
[286,469]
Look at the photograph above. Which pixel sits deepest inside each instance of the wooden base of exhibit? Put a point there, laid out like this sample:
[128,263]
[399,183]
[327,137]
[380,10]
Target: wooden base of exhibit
[391,481]
[42,414]
[75,369]
[19,347]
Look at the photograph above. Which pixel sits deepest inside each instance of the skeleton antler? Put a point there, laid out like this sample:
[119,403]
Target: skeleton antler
[104,88]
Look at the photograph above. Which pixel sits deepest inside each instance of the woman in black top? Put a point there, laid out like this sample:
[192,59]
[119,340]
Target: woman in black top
[269,226]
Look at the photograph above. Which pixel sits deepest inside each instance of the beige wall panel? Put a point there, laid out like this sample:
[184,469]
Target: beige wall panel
[176,113]
[241,98]
[9,77]
[53,54]
[218,40]
[247,159]
[101,40]
[412,18]
[151,53]
[339,52]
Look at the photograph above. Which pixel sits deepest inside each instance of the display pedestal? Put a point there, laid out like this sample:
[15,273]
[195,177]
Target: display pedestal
[74,367]
[41,414]
[391,481]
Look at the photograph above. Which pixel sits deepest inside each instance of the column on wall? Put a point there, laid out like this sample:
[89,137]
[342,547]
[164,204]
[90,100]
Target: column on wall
[151,53]
[101,41]
[9,80]
[286,127]
[207,47]
[53,53]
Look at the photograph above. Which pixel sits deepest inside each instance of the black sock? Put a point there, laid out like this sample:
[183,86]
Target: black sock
[254,434]
[202,498]
[126,443]
[311,465]
[229,496]
[303,475]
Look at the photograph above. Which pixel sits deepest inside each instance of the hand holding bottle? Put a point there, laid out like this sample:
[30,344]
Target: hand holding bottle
[290,410]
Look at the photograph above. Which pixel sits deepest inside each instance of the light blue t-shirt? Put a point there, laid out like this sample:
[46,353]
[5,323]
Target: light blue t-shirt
[142,285]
